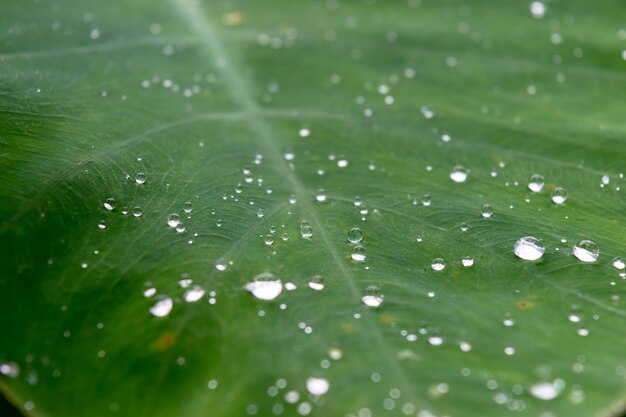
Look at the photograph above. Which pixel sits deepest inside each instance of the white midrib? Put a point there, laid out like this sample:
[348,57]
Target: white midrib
[240,92]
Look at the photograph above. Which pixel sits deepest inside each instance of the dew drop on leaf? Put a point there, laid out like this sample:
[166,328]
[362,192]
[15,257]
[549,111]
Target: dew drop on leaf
[438,264]
[547,391]
[194,294]
[140,178]
[372,297]
[459,174]
[355,235]
[559,195]
[265,286]
[586,251]
[536,182]
[618,263]
[221,264]
[486,211]
[358,253]
[317,283]
[162,307]
[109,204]
[317,386]
[467,261]
[528,248]
[320,195]
[188,207]
[173,220]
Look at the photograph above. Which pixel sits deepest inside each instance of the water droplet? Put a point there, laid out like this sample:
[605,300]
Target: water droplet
[221,264]
[260,213]
[435,340]
[124,211]
[292,397]
[355,235]
[305,231]
[537,9]
[559,195]
[320,195]
[180,228]
[269,240]
[467,261]
[162,307]
[194,294]
[335,353]
[10,369]
[140,178]
[173,220]
[342,163]
[486,211]
[265,286]
[528,248]
[188,207]
[317,283]
[618,263]
[372,297]
[137,211]
[109,204]
[358,253]
[459,174]
[587,251]
[426,200]
[438,264]
[536,182]
[149,292]
[102,225]
[464,227]
[304,132]
[317,386]
[547,391]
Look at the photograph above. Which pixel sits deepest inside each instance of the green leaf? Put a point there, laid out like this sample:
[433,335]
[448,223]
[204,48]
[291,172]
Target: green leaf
[241,111]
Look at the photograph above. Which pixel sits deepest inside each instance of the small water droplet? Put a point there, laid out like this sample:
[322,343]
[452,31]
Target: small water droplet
[162,307]
[109,204]
[137,211]
[358,253]
[188,208]
[355,235]
[194,294]
[320,195]
[435,340]
[173,220]
[537,9]
[10,369]
[438,264]
[426,200]
[221,264]
[265,286]
[536,182]
[467,261]
[180,228]
[586,251]
[269,239]
[335,353]
[317,283]
[528,248]
[102,225]
[140,178]
[305,230]
[559,195]
[317,386]
[260,213]
[486,211]
[618,263]
[459,174]
[464,227]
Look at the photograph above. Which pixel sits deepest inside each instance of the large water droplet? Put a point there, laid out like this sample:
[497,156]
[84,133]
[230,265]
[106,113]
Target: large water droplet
[317,386]
[372,297]
[173,220]
[587,251]
[559,195]
[162,307]
[547,391]
[317,283]
[537,9]
[536,182]
[305,230]
[467,261]
[355,235]
[140,178]
[358,253]
[194,294]
[188,208]
[137,211]
[320,195]
[265,286]
[109,204]
[486,211]
[221,264]
[438,264]
[528,248]
[459,174]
